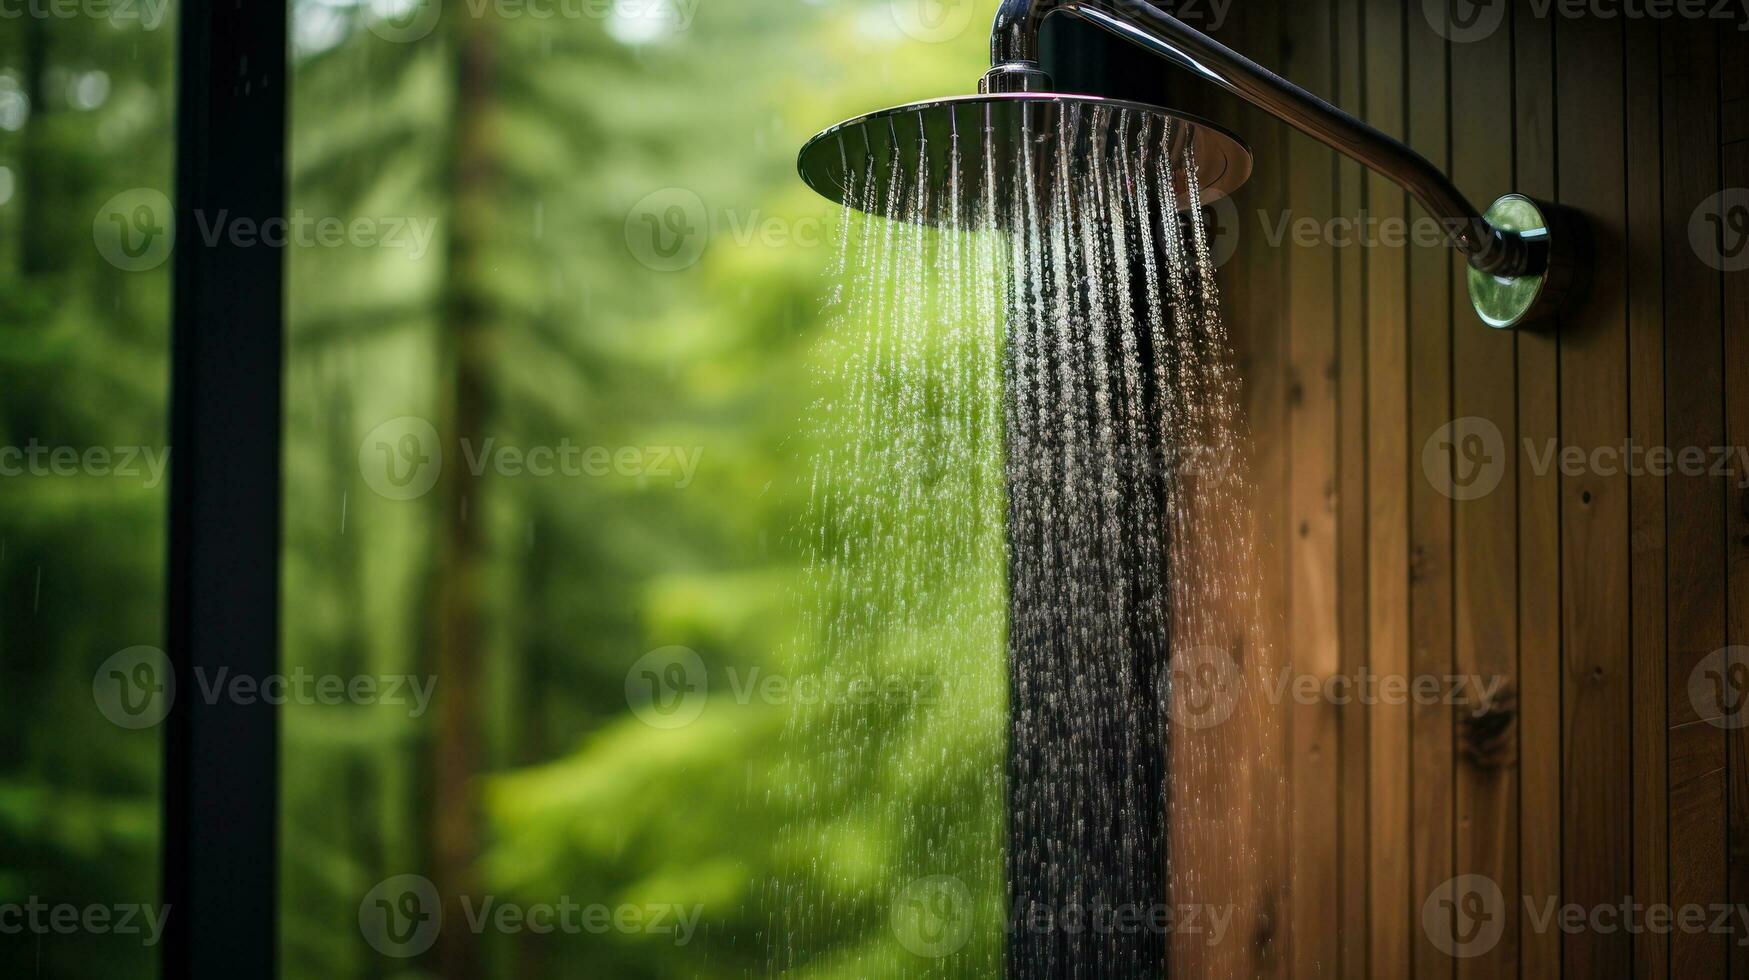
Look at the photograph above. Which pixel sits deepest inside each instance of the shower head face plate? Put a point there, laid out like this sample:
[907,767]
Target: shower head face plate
[993,132]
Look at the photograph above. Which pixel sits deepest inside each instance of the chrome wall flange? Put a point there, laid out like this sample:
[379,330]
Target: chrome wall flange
[1561,250]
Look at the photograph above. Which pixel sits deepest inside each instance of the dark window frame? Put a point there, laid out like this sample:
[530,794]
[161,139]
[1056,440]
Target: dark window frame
[221,774]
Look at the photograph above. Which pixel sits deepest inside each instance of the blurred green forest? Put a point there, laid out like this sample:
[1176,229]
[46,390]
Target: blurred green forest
[621,257]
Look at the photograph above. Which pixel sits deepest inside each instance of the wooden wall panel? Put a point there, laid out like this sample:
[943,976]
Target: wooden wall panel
[1694,417]
[1430,509]
[1646,505]
[1593,591]
[1485,527]
[1540,844]
[1391,922]
[1594,504]
[1313,749]
[1265,399]
[1351,512]
[1253,287]
[1734,119]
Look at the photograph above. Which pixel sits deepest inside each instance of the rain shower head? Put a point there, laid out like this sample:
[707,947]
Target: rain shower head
[1527,258]
[954,143]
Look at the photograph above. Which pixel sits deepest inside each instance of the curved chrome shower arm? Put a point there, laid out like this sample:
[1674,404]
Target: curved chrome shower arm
[1014,57]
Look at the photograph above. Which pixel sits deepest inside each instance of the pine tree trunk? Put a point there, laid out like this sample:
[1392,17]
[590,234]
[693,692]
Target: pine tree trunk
[469,328]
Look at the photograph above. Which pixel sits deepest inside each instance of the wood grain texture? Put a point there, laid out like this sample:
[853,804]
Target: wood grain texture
[1734,127]
[1694,417]
[1594,501]
[1539,522]
[1266,397]
[1485,528]
[1351,502]
[1430,508]
[1392,922]
[1313,740]
[1646,506]
[1596,589]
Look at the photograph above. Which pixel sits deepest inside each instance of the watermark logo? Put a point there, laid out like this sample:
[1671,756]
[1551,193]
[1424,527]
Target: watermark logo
[1478,693]
[135,688]
[932,917]
[1465,459]
[1221,223]
[1465,916]
[407,21]
[933,21]
[1123,919]
[1719,230]
[401,916]
[402,458]
[149,14]
[403,21]
[668,230]
[135,230]
[1465,21]
[1718,687]
[1203,687]
[39,918]
[38,460]
[301,229]
[668,687]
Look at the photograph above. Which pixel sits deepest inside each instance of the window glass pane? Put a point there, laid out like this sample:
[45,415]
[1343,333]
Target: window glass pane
[87,105]
[556,346]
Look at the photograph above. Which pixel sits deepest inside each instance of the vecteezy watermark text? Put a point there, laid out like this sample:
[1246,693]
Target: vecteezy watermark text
[406,21]
[1465,459]
[40,918]
[935,916]
[34,459]
[1466,916]
[135,231]
[149,14]
[402,459]
[669,687]
[1204,685]
[668,230]
[135,688]
[1469,21]
[402,917]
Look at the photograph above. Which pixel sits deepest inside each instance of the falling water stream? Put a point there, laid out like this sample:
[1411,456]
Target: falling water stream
[1029,537]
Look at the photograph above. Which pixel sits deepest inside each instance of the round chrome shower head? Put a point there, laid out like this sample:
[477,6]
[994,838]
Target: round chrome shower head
[992,131]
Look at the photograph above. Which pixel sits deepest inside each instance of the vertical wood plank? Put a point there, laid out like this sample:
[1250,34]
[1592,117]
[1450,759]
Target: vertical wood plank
[1734,125]
[1254,281]
[1311,543]
[1594,545]
[1485,526]
[1646,494]
[1694,418]
[1736,328]
[1734,60]
[1430,591]
[1226,797]
[1391,924]
[1253,287]
[1539,520]
[1351,498]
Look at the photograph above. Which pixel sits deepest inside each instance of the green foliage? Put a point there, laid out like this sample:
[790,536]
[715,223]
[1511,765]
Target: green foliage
[786,822]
